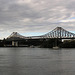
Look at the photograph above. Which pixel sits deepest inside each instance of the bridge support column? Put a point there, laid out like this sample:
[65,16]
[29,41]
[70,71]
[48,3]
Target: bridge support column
[15,43]
[57,42]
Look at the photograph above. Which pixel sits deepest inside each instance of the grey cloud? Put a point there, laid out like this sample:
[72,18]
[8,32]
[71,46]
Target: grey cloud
[43,15]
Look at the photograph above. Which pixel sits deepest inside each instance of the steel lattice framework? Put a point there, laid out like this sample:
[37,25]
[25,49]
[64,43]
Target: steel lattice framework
[59,32]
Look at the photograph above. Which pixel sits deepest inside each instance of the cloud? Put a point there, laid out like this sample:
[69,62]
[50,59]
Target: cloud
[68,20]
[26,16]
[23,1]
[25,20]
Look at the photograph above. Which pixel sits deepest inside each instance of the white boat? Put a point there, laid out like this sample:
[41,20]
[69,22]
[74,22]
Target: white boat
[56,47]
[31,46]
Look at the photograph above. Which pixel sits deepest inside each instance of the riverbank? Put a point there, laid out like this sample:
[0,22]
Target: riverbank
[50,43]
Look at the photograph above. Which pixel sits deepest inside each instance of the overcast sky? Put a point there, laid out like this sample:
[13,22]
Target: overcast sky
[35,17]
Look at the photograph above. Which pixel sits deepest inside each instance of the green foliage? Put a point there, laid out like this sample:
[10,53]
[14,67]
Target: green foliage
[68,44]
[49,43]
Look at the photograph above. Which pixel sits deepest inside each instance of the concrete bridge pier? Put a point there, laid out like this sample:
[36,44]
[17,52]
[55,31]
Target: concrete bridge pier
[57,42]
[15,43]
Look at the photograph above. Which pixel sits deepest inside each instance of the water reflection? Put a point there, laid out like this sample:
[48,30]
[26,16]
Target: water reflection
[37,61]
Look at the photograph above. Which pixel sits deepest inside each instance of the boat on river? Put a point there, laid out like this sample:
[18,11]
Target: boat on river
[56,47]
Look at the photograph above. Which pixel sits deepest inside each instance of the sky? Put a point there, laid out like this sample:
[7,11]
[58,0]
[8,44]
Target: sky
[35,17]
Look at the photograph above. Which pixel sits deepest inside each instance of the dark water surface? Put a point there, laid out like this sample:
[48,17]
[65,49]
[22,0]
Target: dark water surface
[37,61]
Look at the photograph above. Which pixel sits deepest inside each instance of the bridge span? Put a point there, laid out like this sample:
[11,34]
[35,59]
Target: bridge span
[58,33]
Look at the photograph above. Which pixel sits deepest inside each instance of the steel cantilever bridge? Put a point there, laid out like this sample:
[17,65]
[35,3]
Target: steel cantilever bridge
[58,32]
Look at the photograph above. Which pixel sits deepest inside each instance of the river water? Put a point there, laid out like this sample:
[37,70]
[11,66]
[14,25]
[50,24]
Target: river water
[37,61]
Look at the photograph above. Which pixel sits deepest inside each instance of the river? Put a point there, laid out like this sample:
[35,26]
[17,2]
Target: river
[37,61]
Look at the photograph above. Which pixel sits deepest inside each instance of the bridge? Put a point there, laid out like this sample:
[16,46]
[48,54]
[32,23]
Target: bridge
[57,33]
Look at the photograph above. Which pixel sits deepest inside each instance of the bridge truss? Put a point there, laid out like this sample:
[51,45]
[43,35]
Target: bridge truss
[59,32]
